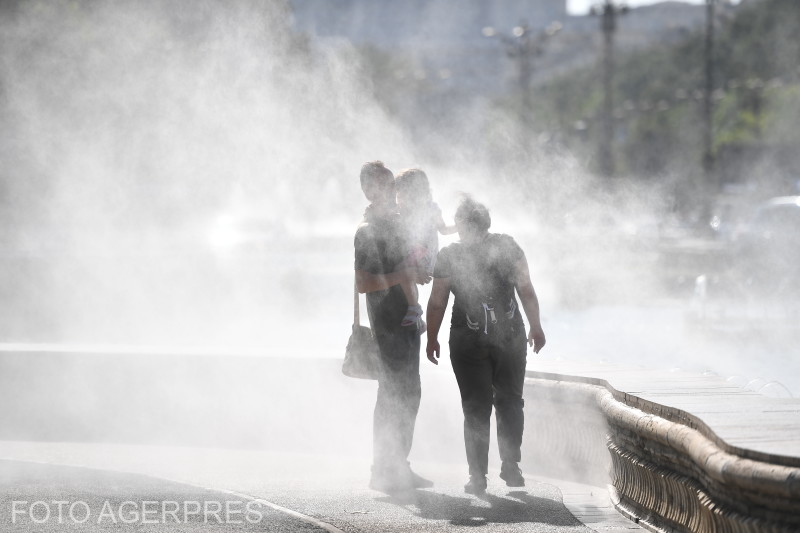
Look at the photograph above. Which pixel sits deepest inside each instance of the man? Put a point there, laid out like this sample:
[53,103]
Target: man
[379,255]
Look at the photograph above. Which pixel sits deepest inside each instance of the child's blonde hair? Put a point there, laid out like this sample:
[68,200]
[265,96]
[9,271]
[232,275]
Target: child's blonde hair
[415,182]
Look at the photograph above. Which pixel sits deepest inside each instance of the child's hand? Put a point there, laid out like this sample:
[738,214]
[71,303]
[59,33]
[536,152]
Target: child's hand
[447,230]
[423,278]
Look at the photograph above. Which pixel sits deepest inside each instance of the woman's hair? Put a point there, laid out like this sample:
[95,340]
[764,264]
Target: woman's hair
[414,182]
[474,215]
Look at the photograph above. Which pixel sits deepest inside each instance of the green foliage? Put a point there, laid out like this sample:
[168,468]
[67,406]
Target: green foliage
[658,92]
[781,116]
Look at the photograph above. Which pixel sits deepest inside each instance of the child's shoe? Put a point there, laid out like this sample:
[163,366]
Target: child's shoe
[412,317]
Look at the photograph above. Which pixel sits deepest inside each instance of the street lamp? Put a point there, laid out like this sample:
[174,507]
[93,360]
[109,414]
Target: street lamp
[523,46]
[608,13]
[708,101]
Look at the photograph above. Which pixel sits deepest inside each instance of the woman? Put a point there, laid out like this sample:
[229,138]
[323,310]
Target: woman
[487,337]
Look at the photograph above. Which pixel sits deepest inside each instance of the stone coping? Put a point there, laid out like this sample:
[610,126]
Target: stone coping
[674,415]
[670,471]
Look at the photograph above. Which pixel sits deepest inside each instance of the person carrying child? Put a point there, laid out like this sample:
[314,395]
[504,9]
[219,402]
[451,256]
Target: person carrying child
[422,219]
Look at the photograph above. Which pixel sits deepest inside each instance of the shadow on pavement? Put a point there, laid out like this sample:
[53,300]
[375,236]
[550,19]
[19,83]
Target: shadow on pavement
[515,507]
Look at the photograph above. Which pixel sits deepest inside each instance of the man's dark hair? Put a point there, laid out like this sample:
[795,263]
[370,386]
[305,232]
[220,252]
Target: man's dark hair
[474,215]
[373,170]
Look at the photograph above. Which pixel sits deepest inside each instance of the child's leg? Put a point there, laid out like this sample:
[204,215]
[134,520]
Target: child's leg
[411,293]
[414,311]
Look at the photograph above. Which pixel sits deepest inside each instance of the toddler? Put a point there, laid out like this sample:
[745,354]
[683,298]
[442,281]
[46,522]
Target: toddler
[422,220]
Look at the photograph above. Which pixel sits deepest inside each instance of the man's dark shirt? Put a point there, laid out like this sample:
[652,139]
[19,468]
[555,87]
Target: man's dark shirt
[482,272]
[379,249]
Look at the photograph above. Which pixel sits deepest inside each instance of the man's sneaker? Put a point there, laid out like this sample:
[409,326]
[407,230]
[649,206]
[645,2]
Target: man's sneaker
[476,485]
[397,480]
[511,474]
[388,483]
[390,479]
[419,482]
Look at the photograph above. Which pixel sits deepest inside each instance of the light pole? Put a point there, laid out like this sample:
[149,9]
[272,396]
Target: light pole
[708,98]
[608,13]
[523,47]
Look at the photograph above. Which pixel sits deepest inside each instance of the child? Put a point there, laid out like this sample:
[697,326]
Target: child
[422,219]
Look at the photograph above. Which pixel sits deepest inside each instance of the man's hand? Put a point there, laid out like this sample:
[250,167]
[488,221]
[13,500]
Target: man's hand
[536,338]
[433,351]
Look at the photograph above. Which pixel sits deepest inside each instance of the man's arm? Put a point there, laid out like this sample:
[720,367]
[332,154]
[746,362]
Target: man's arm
[368,282]
[437,304]
[367,258]
[530,303]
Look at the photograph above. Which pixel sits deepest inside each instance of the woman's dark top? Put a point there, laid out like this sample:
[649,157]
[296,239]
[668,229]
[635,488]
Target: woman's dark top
[482,281]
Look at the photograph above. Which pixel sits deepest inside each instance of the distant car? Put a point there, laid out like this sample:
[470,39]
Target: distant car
[758,282]
[767,250]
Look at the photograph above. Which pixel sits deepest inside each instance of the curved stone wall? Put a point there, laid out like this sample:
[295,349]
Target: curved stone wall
[670,472]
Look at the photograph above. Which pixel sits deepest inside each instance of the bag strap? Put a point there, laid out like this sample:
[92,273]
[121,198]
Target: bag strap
[356,316]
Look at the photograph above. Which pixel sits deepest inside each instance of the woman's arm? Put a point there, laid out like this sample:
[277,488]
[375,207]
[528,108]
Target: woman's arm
[437,304]
[530,303]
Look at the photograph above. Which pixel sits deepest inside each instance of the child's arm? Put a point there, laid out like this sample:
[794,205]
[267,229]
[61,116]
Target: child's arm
[443,228]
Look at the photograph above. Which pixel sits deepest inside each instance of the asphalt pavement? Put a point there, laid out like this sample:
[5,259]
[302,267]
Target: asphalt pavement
[290,434]
[102,487]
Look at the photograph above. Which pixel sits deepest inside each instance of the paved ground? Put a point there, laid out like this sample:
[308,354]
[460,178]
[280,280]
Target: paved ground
[187,422]
[292,492]
[95,500]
